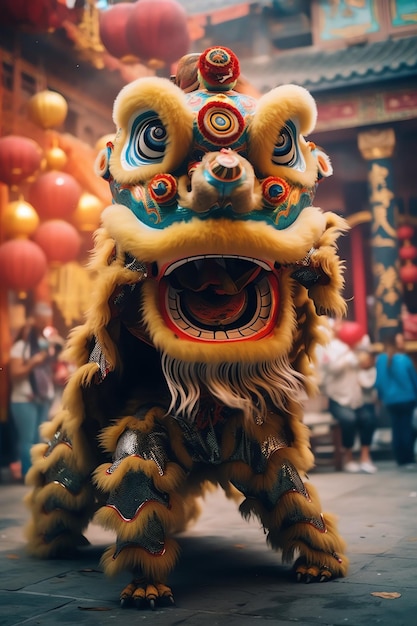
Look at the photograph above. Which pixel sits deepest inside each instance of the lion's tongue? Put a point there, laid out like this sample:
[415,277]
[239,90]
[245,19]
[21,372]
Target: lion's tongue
[213,309]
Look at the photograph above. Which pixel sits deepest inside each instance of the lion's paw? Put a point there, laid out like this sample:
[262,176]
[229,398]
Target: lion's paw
[311,573]
[141,593]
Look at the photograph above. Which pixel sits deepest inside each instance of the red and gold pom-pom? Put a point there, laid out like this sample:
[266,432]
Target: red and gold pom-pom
[218,68]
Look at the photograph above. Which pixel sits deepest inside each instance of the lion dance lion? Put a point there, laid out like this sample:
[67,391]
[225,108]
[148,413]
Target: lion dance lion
[212,269]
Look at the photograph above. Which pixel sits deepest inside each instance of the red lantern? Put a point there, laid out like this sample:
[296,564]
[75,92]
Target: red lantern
[36,15]
[20,158]
[350,333]
[29,15]
[158,29]
[55,195]
[22,264]
[112,25]
[59,240]
[405,232]
[407,252]
[408,274]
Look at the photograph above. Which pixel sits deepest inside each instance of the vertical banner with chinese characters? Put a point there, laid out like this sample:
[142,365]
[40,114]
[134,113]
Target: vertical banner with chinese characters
[377,148]
[385,260]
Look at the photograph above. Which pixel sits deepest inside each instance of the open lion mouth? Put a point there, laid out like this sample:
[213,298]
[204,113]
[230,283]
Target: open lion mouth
[220,298]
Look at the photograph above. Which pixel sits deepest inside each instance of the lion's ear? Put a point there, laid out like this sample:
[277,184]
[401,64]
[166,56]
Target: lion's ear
[277,146]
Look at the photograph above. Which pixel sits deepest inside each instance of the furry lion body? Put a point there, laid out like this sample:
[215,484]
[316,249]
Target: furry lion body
[197,351]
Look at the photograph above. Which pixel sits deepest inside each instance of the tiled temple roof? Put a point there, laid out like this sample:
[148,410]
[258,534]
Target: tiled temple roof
[319,70]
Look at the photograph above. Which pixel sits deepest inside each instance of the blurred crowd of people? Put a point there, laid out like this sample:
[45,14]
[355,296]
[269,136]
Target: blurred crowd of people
[36,376]
[359,385]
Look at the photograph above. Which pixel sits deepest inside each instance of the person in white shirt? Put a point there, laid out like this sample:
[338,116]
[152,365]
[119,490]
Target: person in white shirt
[347,379]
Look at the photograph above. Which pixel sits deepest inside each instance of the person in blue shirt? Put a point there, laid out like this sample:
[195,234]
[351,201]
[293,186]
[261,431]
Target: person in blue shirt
[396,385]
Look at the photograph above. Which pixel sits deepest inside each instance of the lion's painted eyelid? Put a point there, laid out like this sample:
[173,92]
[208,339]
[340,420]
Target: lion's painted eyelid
[287,150]
[147,140]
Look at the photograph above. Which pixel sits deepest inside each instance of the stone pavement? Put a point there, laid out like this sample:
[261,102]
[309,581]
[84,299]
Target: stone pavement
[226,574]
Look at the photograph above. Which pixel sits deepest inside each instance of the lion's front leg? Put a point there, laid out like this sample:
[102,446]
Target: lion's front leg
[143,507]
[290,512]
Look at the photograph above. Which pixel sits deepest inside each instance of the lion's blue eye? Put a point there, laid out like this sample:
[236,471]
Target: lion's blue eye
[147,141]
[286,151]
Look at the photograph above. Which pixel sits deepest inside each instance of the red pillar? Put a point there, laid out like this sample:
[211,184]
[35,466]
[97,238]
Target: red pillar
[359,282]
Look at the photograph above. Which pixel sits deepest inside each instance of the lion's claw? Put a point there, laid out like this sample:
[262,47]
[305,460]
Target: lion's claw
[313,573]
[142,593]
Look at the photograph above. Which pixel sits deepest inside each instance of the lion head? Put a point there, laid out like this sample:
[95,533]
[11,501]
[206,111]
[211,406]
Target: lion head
[213,225]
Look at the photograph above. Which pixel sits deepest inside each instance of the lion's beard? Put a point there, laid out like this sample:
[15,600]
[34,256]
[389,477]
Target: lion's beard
[250,387]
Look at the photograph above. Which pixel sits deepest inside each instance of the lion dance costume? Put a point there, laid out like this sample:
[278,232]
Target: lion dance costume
[212,269]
